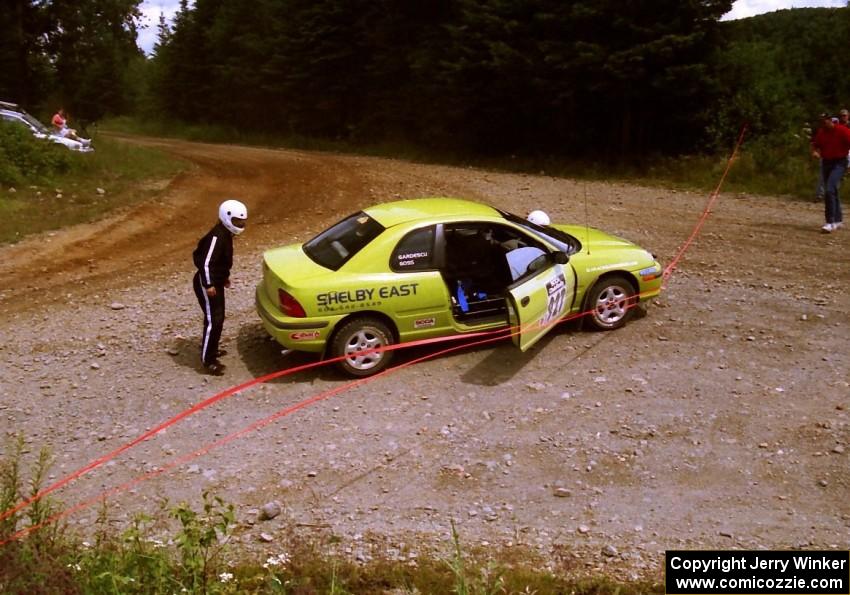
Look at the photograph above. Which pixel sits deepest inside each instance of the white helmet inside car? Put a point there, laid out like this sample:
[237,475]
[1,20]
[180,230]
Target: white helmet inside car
[232,215]
[539,218]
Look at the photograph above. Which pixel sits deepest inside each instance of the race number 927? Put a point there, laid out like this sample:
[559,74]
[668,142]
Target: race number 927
[556,289]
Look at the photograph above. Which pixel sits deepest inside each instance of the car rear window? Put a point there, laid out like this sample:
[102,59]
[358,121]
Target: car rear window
[336,245]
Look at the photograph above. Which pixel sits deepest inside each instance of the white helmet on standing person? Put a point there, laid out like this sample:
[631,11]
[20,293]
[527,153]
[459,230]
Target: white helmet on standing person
[233,215]
[538,217]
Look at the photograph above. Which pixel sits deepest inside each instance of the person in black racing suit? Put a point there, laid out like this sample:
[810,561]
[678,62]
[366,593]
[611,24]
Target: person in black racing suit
[213,257]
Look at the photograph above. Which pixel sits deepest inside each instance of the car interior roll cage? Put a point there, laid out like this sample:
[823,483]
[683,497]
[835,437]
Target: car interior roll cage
[472,258]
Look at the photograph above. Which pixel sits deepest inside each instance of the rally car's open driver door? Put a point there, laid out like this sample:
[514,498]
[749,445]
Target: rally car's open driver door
[538,303]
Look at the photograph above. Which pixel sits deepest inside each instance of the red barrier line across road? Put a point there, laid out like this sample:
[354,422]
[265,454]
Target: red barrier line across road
[246,430]
[202,405]
[491,336]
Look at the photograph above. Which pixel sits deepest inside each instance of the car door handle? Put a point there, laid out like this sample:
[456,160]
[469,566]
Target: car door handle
[524,301]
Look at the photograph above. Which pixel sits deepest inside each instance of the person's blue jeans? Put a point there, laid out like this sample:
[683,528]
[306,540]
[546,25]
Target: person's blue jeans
[833,171]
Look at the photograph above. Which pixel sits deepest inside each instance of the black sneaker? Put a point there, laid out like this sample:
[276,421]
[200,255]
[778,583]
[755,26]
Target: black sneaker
[214,369]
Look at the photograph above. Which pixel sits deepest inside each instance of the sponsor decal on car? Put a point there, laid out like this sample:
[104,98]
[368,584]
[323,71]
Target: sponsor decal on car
[304,335]
[425,322]
[555,284]
[409,259]
[349,296]
[616,265]
[556,289]
[402,290]
[343,297]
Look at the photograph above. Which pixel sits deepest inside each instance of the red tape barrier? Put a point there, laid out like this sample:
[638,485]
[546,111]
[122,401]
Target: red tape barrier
[246,430]
[491,336]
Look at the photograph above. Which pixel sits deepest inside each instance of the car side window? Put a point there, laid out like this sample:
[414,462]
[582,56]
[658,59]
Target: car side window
[494,251]
[415,251]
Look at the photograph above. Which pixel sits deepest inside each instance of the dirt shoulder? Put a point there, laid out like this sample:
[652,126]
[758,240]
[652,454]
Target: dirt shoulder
[719,420]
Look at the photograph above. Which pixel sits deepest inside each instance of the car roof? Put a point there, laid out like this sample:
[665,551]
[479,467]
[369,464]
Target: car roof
[405,211]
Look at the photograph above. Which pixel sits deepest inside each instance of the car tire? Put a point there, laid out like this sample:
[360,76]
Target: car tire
[610,303]
[359,334]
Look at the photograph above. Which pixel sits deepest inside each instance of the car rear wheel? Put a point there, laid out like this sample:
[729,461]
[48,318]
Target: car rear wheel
[611,303]
[359,335]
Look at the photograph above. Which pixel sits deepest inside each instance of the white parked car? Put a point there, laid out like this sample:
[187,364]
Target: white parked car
[11,112]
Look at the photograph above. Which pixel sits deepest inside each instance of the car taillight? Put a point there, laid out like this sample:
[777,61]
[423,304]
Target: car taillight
[289,305]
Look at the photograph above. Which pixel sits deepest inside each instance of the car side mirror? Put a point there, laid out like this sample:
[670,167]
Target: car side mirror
[560,257]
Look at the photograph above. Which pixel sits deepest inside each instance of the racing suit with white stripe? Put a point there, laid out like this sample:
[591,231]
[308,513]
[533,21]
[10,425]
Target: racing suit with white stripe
[213,258]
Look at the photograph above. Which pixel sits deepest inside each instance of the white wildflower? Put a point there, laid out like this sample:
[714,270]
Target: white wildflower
[280,559]
[225,577]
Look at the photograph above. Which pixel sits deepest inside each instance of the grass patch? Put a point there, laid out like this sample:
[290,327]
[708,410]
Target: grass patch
[182,550]
[38,196]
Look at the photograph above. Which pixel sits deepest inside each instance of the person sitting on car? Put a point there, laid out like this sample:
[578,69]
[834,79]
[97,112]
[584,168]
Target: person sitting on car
[60,125]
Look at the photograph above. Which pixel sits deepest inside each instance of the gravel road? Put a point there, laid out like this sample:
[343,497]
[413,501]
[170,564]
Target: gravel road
[718,420]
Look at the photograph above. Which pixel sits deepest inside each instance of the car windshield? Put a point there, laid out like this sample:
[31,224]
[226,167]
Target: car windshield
[336,245]
[562,240]
[34,123]
[23,118]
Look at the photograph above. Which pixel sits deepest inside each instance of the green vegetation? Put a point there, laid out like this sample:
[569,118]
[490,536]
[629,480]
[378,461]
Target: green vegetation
[779,70]
[23,157]
[77,54]
[574,78]
[583,83]
[45,186]
[603,81]
[186,551]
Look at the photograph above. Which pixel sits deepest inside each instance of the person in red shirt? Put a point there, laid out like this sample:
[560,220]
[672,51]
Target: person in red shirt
[60,124]
[831,144]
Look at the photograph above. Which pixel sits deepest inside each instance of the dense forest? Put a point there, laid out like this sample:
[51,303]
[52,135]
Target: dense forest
[616,80]
[77,52]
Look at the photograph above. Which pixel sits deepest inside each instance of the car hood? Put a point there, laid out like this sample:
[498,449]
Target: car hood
[70,143]
[598,240]
[291,262]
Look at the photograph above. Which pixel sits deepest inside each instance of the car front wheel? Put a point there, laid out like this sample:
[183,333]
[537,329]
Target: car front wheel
[358,336]
[610,303]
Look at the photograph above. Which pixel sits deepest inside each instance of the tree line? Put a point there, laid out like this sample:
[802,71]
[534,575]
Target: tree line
[578,76]
[602,79]
[77,53]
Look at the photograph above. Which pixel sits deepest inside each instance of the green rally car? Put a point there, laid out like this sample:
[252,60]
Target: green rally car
[416,269]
